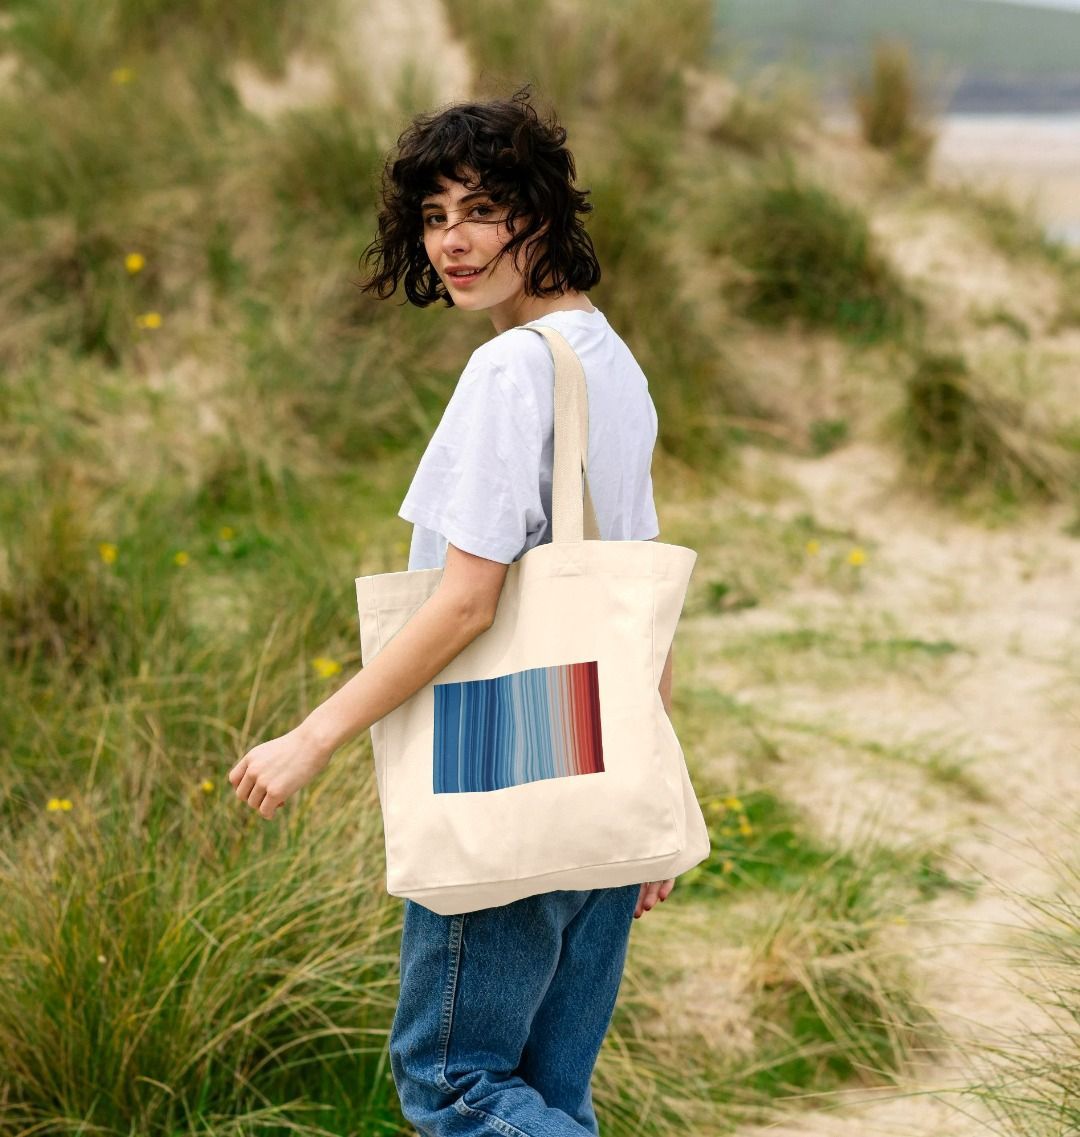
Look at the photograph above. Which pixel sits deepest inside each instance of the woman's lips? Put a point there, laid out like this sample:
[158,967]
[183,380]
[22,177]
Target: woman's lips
[464,280]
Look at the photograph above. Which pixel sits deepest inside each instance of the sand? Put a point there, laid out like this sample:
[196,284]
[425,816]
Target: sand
[1034,159]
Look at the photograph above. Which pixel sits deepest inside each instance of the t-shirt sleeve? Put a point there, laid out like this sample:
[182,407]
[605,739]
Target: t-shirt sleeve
[478,481]
[646,523]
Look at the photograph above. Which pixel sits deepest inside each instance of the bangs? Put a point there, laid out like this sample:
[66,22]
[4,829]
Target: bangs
[503,148]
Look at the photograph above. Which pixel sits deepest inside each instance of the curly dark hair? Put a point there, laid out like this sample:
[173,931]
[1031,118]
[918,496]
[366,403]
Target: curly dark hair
[520,161]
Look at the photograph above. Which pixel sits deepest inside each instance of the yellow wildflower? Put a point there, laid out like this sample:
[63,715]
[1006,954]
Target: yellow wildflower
[122,74]
[226,532]
[856,556]
[733,803]
[899,919]
[107,551]
[325,666]
[813,546]
[181,558]
[56,803]
[745,828]
[714,808]
[133,262]
[149,320]
[727,866]
[206,785]
[101,959]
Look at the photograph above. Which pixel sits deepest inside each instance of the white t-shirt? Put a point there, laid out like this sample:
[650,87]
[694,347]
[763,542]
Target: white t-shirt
[484,481]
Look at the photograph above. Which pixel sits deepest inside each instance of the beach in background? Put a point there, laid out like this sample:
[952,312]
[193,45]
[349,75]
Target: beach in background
[999,80]
[1035,159]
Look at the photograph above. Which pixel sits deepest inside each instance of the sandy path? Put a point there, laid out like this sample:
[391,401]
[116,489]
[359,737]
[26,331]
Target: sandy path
[1008,702]
[1012,696]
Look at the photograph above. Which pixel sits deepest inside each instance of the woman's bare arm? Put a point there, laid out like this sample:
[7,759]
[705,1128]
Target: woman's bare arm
[435,634]
[461,608]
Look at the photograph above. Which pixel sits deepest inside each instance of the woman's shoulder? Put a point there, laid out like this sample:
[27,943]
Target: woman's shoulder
[514,352]
[515,342]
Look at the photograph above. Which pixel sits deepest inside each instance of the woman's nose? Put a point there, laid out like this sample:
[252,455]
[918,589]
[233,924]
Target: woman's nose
[453,241]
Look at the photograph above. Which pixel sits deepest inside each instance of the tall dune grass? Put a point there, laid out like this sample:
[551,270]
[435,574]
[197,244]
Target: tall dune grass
[806,255]
[1025,1078]
[156,980]
[207,431]
[889,107]
[960,437]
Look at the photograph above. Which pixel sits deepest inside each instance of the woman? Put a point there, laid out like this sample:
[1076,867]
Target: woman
[502,1011]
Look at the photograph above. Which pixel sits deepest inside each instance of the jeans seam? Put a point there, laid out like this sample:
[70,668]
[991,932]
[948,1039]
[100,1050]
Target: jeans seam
[447,1013]
[457,931]
[496,1123]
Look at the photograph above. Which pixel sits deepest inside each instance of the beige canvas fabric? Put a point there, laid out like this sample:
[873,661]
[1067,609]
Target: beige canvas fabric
[541,757]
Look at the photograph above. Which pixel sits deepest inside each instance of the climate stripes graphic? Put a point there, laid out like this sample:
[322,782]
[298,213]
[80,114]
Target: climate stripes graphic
[543,722]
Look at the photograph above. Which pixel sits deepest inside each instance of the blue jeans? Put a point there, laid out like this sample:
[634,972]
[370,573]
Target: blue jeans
[502,1012]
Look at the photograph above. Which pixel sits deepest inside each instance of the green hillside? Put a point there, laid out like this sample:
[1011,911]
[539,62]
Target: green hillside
[1031,51]
[868,431]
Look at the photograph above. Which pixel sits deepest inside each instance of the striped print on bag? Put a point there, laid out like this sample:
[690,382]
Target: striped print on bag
[526,726]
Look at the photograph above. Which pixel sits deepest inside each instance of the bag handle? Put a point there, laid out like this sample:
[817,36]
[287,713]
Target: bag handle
[572,518]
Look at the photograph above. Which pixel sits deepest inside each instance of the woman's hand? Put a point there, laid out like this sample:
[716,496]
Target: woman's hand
[269,774]
[651,891]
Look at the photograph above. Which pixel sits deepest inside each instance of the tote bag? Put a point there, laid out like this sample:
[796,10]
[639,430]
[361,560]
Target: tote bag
[541,757]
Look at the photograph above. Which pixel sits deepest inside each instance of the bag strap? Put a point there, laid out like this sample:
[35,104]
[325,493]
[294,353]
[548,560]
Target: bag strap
[572,519]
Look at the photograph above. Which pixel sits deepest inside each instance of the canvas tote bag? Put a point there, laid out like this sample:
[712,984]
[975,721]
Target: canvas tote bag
[541,757]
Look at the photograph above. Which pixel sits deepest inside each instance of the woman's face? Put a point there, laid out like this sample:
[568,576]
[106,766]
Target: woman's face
[464,229]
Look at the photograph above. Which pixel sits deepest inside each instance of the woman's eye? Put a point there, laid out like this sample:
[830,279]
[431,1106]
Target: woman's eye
[439,217]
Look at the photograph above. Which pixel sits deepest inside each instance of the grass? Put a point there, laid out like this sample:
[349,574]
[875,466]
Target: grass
[806,256]
[207,432]
[759,842]
[753,557]
[778,736]
[219,982]
[622,61]
[832,988]
[959,437]
[887,107]
[829,654]
[1010,227]
[764,114]
[820,987]
[1023,1077]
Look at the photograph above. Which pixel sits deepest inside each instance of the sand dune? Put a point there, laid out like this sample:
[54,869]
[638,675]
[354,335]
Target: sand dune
[1035,159]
